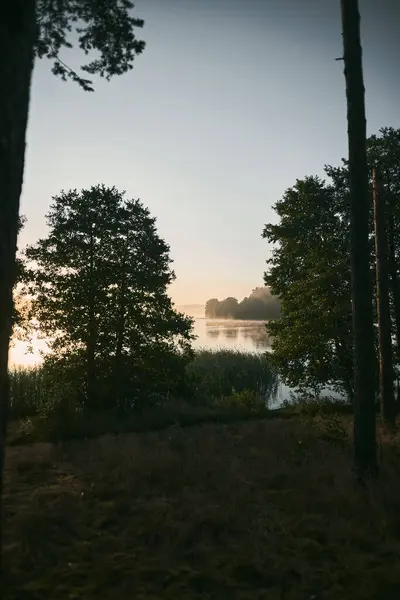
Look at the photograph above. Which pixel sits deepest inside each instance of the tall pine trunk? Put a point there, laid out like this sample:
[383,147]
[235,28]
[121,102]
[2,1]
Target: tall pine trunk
[386,373]
[393,270]
[365,456]
[394,282]
[17,39]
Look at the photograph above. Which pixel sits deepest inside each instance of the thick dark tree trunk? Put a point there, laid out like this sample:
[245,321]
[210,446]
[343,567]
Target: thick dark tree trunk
[17,39]
[365,455]
[386,373]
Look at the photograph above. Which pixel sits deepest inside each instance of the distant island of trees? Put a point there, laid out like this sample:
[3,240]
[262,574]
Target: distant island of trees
[260,305]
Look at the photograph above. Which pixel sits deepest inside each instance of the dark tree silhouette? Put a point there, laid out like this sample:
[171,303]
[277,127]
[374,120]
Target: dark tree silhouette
[309,269]
[386,374]
[259,306]
[99,291]
[211,308]
[364,356]
[30,28]
[384,150]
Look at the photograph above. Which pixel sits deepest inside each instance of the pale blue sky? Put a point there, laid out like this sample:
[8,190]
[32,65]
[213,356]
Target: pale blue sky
[229,104]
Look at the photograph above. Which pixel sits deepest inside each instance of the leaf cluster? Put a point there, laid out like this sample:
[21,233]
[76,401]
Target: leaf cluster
[105,28]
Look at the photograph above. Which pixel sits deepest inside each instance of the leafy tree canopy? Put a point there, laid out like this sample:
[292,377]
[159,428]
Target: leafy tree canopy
[98,284]
[105,28]
[309,269]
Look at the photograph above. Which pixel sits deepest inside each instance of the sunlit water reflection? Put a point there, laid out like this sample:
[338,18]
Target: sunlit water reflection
[250,336]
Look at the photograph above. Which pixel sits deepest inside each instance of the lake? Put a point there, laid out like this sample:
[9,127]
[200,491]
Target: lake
[249,336]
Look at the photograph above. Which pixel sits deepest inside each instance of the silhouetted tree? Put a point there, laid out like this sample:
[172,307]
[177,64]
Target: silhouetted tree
[227,308]
[309,269]
[363,335]
[30,28]
[385,151]
[99,287]
[260,305]
[386,373]
[211,308]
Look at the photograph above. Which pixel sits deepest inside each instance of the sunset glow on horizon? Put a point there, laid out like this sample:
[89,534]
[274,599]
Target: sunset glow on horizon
[20,356]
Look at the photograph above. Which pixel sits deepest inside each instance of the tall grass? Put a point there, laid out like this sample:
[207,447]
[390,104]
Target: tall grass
[215,374]
[220,385]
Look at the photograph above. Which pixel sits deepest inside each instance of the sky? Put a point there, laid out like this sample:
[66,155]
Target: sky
[230,103]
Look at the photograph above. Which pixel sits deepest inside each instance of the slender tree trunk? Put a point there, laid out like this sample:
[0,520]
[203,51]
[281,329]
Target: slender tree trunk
[395,289]
[386,373]
[91,343]
[120,331]
[365,455]
[17,39]
[393,272]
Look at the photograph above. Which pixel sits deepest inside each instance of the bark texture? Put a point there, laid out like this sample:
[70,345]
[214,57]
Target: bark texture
[386,373]
[365,456]
[17,40]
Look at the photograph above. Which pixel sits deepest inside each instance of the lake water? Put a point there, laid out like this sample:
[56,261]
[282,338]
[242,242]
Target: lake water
[250,336]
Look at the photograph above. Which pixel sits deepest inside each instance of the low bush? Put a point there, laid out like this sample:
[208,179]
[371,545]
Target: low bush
[246,399]
[304,404]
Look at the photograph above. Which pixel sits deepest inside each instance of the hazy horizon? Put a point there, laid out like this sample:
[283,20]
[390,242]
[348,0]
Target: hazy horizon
[229,104]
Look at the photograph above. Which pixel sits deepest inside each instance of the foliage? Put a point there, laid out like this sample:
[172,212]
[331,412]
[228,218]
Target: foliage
[215,374]
[104,27]
[98,284]
[309,405]
[50,388]
[247,399]
[27,392]
[260,305]
[310,271]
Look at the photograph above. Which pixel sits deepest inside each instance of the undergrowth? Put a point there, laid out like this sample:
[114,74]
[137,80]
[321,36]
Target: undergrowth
[258,510]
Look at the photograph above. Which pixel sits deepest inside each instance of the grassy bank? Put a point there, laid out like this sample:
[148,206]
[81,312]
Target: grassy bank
[213,375]
[221,386]
[257,510]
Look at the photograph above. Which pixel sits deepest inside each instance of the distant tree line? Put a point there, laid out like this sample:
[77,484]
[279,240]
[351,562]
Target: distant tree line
[260,305]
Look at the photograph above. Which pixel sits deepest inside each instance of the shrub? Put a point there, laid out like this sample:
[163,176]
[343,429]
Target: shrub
[316,405]
[246,399]
[27,391]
